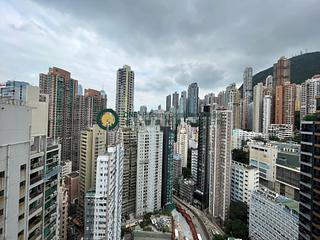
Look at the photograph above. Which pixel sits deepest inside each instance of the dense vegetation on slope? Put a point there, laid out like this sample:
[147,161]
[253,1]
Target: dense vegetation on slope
[303,66]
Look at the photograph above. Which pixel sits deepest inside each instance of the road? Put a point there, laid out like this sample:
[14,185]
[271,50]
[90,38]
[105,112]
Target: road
[203,225]
[181,225]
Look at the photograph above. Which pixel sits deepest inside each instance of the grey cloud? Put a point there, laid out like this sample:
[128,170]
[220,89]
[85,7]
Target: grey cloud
[206,75]
[176,42]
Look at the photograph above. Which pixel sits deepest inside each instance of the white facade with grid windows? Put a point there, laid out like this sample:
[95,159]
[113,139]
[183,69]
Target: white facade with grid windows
[272,216]
[149,170]
[103,207]
[244,180]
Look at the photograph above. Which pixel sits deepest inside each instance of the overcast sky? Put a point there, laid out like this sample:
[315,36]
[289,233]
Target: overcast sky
[168,43]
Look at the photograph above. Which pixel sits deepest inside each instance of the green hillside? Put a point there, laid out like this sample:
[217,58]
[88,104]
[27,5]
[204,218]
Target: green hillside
[303,67]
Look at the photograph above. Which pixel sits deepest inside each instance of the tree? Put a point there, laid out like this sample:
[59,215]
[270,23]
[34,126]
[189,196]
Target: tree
[239,210]
[274,138]
[259,138]
[297,138]
[146,220]
[186,172]
[310,117]
[218,237]
[236,228]
[237,225]
[239,155]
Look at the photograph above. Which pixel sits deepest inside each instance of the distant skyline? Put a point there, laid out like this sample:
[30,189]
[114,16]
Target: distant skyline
[168,44]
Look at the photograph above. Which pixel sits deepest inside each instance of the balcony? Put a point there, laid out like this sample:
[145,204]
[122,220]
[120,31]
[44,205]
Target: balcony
[36,180]
[51,184]
[49,230]
[52,172]
[36,234]
[51,192]
[51,208]
[51,235]
[35,206]
[35,192]
[2,183]
[34,222]
[37,166]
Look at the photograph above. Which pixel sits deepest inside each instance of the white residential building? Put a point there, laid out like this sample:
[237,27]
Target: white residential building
[272,216]
[66,168]
[182,143]
[103,206]
[177,170]
[269,81]
[14,170]
[149,169]
[309,90]
[240,136]
[29,164]
[244,180]
[220,164]
[266,121]
[257,108]
[282,131]
[194,164]
[264,157]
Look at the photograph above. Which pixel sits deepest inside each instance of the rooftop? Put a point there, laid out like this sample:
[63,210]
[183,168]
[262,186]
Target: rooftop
[289,203]
[90,193]
[74,174]
[137,235]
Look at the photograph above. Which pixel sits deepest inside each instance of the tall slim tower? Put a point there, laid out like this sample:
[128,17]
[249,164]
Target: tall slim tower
[247,83]
[149,170]
[193,98]
[103,205]
[62,90]
[130,138]
[247,96]
[168,103]
[182,143]
[220,164]
[175,100]
[92,144]
[183,104]
[289,99]
[257,108]
[233,99]
[125,95]
[167,166]
[281,76]
[267,104]
[202,169]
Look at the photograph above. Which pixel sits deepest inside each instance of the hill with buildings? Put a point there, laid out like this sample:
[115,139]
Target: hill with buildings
[303,66]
